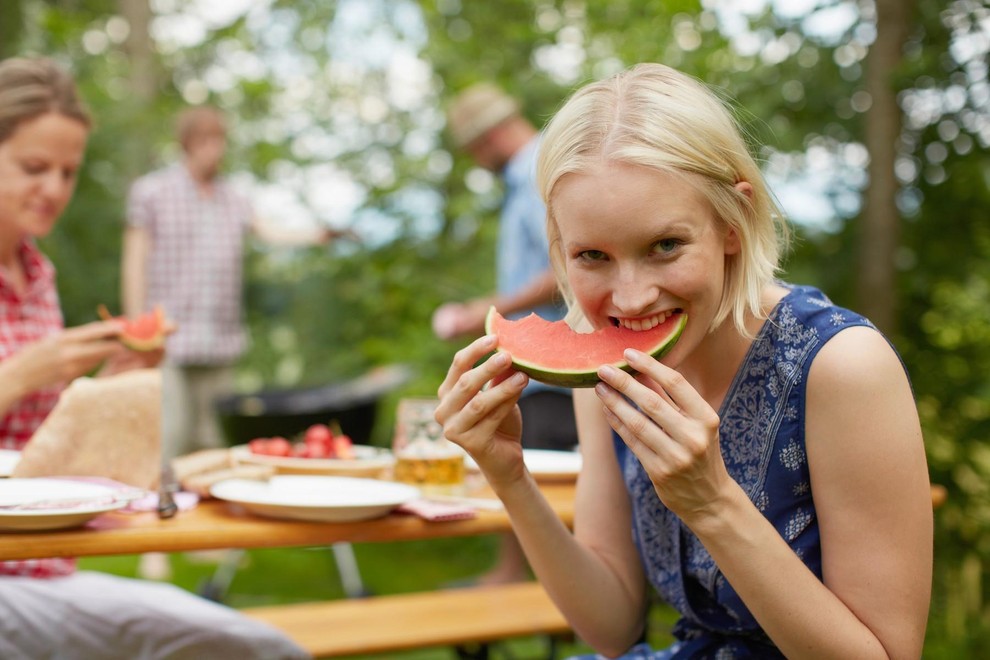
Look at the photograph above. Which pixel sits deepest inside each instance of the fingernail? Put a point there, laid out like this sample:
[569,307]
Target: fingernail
[631,355]
[607,371]
[518,378]
[502,360]
[601,389]
[488,341]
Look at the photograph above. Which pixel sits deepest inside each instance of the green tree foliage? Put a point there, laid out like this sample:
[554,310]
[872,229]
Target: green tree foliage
[319,93]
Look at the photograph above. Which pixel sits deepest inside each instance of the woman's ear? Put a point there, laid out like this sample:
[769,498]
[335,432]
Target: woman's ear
[732,243]
[746,188]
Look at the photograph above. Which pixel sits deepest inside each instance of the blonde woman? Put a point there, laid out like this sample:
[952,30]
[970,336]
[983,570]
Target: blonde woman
[768,476]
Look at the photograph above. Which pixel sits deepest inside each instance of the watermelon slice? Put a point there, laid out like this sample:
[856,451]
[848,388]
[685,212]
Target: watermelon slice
[552,353]
[144,333]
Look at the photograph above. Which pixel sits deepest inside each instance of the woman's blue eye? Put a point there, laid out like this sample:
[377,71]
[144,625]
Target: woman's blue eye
[667,245]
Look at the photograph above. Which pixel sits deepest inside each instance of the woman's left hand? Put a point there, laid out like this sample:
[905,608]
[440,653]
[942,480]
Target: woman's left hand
[672,431]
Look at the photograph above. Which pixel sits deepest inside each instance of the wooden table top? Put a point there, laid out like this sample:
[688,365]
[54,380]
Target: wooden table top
[215,524]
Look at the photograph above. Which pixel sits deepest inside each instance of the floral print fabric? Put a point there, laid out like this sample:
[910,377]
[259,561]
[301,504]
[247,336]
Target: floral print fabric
[762,439]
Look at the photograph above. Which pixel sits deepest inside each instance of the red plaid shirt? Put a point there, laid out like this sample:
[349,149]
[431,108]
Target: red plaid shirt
[24,320]
[196,261]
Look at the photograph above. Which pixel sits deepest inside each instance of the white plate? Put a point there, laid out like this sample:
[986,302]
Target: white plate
[367,462]
[545,464]
[324,499]
[73,503]
[9,458]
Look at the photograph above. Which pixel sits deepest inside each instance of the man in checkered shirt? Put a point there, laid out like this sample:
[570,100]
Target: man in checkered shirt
[184,249]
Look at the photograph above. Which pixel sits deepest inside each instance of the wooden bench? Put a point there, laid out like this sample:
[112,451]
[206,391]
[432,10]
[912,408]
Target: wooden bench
[383,624]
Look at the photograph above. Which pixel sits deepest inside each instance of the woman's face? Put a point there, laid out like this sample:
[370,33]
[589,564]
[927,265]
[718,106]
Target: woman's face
[39,164]
[638,245]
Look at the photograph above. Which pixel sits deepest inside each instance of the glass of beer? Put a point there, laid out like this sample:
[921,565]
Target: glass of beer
[423,457]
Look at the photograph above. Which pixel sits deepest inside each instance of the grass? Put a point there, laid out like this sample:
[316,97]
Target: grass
[289,575]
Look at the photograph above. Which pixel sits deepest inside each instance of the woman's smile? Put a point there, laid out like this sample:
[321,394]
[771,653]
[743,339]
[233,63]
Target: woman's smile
[646,323]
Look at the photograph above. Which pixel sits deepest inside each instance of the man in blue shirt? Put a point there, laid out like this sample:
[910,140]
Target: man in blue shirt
[489,125]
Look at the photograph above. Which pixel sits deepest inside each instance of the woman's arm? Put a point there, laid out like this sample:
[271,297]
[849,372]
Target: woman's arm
[58,358]
[594,575]
[602,524]
[869,478]
[870,486]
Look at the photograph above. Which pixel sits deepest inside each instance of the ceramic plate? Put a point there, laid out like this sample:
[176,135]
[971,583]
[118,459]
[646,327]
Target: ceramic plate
[319,498]
[41,503]
[546,464]
[9,459]
[367,462]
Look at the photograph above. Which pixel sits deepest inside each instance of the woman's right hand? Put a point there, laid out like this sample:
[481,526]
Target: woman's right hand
[478,410]
[65,355]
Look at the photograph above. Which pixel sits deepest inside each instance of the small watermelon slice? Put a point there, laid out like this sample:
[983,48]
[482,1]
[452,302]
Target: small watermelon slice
[551,352]
[144,333]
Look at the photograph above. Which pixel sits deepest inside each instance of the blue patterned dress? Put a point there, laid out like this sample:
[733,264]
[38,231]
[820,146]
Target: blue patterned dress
[762,439]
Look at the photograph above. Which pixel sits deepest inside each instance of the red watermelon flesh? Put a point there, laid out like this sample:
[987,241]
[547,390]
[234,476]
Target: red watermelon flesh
[551,352]
[146,332]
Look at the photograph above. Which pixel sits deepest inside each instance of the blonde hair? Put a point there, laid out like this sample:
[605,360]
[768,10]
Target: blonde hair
[653,116]
[197,122]
[32,87]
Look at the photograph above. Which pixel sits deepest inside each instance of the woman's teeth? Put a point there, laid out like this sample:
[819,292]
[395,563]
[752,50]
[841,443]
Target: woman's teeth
[647,323]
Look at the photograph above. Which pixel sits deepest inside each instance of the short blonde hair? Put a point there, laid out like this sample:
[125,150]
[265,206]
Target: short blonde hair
[653,116]
[197,122]
[31,87]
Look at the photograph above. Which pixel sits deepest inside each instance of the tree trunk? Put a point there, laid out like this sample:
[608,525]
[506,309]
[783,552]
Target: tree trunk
[880,226]
[143,81]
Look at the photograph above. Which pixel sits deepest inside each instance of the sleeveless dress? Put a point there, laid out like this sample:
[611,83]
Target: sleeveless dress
[761,432]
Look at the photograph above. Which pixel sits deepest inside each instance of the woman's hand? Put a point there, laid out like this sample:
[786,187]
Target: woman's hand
[478,410]
[672,431]
[65,355]
[128,359]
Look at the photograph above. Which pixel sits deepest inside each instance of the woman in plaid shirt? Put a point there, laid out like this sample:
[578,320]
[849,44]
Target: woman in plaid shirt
[47,609]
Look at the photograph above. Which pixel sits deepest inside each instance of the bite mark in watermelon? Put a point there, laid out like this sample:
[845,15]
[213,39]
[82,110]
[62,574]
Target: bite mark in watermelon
[144,333]
[551,352]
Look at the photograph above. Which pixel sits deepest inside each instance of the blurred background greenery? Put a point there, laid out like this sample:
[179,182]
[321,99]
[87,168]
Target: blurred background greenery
[874,114]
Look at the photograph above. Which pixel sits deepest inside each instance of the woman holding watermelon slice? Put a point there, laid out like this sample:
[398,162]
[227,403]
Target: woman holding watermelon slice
[47,608]
[767,477]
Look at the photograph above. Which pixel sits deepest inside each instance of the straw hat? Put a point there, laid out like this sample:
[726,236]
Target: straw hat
[478,109]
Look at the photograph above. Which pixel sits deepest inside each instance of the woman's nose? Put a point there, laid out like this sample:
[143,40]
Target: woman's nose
[634,291]
[55,185]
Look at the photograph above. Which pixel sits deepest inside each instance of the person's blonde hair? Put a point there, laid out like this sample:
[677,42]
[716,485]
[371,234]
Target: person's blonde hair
[653,116]
[197,122]
[31,87]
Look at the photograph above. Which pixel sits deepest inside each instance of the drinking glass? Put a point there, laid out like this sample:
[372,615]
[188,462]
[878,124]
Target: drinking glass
[423,457]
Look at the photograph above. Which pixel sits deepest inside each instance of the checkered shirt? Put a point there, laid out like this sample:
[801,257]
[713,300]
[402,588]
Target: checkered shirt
[196,261]
[24,320]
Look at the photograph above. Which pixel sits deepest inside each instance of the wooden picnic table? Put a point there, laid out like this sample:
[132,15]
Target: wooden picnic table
[214,524]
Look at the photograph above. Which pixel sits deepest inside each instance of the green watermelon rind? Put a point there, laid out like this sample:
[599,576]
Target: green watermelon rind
[583,378]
